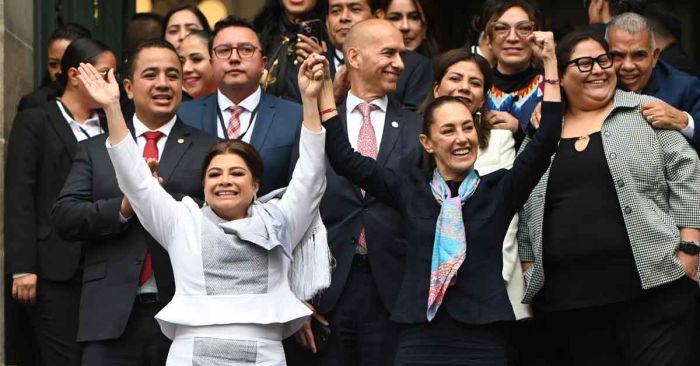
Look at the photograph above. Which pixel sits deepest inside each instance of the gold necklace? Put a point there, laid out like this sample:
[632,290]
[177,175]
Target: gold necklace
[582,143]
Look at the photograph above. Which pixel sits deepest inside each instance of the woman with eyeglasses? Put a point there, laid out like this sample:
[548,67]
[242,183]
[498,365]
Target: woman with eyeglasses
[517,83]
[46,270]
[609,237]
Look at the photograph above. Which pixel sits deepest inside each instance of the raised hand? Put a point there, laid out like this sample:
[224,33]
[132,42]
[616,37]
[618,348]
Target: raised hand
[312,74]
[103,92]
[542,45]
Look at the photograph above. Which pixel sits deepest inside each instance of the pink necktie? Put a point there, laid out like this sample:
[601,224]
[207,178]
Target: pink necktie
[233,131]
[150,151]
[367,146]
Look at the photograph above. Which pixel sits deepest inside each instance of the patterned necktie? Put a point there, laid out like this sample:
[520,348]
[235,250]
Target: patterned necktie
[233,131]
[149,152]
[367,146]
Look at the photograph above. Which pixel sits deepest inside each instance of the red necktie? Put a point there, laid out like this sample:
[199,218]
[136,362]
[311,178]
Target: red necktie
[149,152]
[234,123]
[367,146]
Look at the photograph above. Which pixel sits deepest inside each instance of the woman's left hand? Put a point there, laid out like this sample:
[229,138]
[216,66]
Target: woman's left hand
[312,74]
[105,93]
[542,45]
[690,264]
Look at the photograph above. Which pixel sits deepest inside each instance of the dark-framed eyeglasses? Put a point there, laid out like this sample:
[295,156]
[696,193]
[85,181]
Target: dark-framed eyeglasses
[585,64]
[244,50]
[523,28]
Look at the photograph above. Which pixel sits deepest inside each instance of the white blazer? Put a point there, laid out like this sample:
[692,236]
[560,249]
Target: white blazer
[500,154]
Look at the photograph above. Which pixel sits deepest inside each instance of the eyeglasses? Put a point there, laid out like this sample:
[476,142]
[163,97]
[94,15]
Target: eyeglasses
[585,64]
[244,50]
[522,29]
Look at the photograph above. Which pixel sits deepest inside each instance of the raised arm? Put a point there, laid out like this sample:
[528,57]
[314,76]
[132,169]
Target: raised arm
[156,209]
[531,164]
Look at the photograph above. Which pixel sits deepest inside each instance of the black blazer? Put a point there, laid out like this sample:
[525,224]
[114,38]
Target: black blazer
[88,209]
[479,293]
[344,211]
[40,154]
[415,82]
[38,97]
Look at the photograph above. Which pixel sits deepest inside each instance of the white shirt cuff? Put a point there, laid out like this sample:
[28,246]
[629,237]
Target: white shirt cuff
[18,275]
[689,131]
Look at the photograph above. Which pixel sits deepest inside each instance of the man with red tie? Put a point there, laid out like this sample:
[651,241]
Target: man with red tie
[127,276]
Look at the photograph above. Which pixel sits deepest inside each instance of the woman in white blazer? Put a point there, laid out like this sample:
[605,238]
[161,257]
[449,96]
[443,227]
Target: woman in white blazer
[234,301]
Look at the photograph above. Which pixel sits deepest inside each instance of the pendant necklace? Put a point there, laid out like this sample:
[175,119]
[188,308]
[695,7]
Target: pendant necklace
[582,143]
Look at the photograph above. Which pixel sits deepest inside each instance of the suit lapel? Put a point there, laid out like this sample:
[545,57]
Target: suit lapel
[175,146]
[63,130]
[263,122]
[392,126]
[209,114]
[330,55]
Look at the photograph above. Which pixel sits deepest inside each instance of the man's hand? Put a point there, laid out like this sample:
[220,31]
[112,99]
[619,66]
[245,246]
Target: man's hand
[125,208]
[662,115]
[690,264]
[536,116]
[305,336]
[153,166]
[306,46]
[599,12]
[502,121]
[24,288]
[341,84]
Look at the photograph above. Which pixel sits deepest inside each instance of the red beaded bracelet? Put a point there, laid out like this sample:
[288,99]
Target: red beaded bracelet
[329,110]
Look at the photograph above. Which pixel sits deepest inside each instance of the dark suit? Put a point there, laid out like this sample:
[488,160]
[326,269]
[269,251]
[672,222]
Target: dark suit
[38,97]
[277,126]
[40,154]
[88,209]
[680,90]
[368,282]
[415,82]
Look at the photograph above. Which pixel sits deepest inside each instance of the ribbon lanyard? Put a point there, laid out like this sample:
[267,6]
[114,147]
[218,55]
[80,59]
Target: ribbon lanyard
[65,109]
[223,125]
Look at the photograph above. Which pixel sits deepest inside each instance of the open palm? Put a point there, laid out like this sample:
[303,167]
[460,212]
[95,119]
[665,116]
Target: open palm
[103,92]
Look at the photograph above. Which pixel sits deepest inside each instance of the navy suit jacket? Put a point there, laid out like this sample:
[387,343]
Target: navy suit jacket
[88,209]
[344,211]
[415,81]
[678,89]
[277,126]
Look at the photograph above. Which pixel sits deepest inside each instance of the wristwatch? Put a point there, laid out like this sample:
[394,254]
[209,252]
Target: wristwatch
[689,247]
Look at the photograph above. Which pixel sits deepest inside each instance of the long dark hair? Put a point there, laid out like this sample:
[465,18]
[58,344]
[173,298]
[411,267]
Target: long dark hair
[82,50]
[192,9]
[268,21]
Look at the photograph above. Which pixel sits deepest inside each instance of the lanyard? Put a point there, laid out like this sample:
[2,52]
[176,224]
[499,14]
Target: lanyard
[65,109]
[223,125]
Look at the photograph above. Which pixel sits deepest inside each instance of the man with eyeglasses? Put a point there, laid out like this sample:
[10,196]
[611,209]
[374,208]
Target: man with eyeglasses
[239,109]
[639,70]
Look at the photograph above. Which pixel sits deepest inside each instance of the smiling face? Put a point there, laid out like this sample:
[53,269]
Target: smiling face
[180,25]
[408,19]
[229,186]
[297,8]
[374,59]
[465,81]
[512,51]
[197,72]
[634,58]
[593,89]
[453,140]
[343,14]
[156,85]
[236,75]
[55,53]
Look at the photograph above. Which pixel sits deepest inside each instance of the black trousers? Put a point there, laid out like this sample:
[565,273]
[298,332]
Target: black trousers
[362,334]
[444,341]
[142,343]
[654,329]
[694,358]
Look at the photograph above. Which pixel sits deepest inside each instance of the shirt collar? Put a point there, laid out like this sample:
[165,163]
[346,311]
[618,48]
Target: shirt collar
[94,119]
[352,102]
[249,103]
[339,55]
[140,128]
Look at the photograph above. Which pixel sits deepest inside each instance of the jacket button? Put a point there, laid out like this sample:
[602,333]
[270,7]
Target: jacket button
[613,156]
[606,133]
[620,183]
[628,210]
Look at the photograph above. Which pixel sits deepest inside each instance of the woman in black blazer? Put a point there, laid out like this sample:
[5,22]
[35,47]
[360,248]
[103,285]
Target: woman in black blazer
[45,269]
[466,326]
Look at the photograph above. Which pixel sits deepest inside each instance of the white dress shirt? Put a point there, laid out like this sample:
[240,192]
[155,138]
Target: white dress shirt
[689,131]
[82,131]
[249,104]
[354,118]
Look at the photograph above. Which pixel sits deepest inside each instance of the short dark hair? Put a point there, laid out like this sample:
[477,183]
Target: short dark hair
[494,9]
[429,119]
[618,7]
[192,9]
[151,43]
[232,21]
[141,27]
[373,4]
[240,148]
[82,50]
[70,32]
[664,20]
